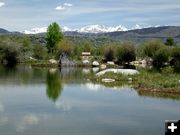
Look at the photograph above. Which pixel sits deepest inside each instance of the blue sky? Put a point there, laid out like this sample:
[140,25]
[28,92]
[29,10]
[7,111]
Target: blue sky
[26,14]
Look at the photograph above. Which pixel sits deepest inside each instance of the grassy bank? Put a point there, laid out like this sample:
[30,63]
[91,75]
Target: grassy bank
[146,80]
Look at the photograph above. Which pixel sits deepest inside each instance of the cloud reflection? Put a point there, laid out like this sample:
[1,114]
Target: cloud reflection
[94,87]
[27,121]
[62,105]
[3,120]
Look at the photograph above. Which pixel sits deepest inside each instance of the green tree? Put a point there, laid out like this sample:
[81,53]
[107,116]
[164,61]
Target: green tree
[53,37]
[170,41]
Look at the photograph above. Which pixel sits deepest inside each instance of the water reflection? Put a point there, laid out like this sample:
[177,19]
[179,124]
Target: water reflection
[54,84]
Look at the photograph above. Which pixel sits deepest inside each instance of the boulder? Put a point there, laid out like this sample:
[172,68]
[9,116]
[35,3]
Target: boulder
[95,64]
[110,63]
[31,58]
[103,66]
[86,62]
[52,61]
[107,80]
[118,71]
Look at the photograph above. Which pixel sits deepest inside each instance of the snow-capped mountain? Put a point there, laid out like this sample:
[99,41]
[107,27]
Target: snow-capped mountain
[36,30]
[100,29]
[86,29]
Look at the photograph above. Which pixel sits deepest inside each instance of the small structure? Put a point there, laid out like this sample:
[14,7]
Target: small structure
[86,56]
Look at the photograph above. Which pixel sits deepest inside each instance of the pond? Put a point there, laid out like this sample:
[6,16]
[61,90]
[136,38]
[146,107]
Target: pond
[41,101]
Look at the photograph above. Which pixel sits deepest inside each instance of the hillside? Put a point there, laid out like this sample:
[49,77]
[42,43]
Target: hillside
[138,36]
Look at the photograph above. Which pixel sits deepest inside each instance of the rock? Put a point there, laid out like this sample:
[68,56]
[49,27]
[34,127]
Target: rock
[110,63]
[86,62]
[95,64]
[52,61]
[143,62]
[117,71]
[31,58]
[108,80]
[103,66]
[64,61]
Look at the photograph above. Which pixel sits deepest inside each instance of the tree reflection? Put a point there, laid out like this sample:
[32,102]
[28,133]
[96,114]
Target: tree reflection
[54,84]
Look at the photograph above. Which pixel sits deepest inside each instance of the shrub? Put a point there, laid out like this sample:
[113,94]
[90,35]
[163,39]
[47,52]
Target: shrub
[109,54]
[151,47]
[39,52]
[65,47]
[175,53]
[169,41]
[87,46]
[10,52]
[126,53]
[160,57]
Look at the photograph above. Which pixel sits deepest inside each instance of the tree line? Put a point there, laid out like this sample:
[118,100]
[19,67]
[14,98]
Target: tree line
[21,49]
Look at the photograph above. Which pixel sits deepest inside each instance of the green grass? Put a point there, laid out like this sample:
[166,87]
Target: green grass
[154,79]
[146,79]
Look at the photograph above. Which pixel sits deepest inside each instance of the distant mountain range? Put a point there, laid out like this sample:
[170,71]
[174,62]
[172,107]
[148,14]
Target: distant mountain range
[85,29]
[135,35]
[118,33]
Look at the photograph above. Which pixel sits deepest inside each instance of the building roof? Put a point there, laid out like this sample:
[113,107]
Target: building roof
[86,53]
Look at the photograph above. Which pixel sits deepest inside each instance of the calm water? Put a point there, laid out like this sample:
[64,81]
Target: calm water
[54,102]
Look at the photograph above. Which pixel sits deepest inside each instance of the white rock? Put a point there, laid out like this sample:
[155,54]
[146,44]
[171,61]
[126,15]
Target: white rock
[52,61]
[108,80]
[95,63]
[110,63]
[103,66]
[86,62]
[144,62]
[117,71]
[31,58]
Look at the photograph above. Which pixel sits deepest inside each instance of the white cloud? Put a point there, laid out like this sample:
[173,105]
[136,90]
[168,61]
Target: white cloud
[68,4]
[60,8]
[2,4]
[64,6]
